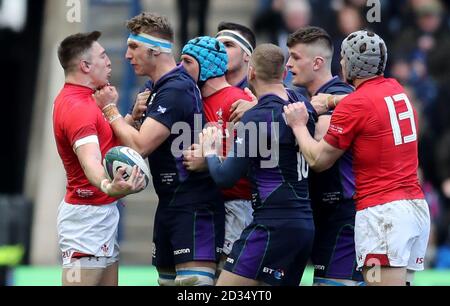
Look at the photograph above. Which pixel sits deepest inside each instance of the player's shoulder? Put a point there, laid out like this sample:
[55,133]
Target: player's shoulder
[232,94]
[356,98]
[254,114]
[178,89]
[338,87]
[73,106]
[266,106]
[177,81]
[236,92]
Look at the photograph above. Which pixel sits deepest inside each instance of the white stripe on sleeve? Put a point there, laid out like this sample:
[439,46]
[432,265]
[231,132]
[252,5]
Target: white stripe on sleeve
[86,140]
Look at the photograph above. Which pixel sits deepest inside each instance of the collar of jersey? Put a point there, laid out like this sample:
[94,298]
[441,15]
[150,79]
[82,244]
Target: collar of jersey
[81,88]
[165,77]
[277,99]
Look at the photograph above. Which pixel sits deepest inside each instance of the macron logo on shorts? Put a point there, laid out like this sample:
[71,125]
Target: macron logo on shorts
[182,251]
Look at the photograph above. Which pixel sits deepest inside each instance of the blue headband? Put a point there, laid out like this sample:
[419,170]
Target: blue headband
[152,42]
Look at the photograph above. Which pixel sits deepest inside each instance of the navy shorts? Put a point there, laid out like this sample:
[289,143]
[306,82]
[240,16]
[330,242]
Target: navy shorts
[333,253]
[273,251]
[187,234]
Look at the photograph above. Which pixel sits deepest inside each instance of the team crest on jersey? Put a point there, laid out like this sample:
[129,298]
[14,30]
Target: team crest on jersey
[162,110]
[105,249]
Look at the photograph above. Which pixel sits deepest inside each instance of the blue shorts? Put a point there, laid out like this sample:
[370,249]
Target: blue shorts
[273,251]
[188,234]
[334,253]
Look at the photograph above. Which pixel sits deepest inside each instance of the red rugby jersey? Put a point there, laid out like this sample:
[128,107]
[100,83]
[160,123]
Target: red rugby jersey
[75,118]
[217,108]
[379,124]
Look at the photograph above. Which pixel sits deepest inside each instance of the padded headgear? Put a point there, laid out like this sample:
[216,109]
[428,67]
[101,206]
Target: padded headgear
[211,56]
[365,53]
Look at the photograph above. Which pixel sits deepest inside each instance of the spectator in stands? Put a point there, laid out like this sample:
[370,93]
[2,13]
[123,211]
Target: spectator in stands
[185,7]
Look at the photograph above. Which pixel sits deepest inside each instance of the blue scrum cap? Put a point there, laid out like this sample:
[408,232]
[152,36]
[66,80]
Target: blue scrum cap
[211,56]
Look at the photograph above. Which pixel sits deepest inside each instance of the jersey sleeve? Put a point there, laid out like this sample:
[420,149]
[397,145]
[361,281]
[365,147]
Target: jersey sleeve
[228,173]
[171,106]
[346,122]
[236,164]
[81,123]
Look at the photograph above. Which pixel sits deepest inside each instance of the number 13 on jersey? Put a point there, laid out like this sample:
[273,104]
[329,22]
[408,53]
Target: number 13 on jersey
[399,139]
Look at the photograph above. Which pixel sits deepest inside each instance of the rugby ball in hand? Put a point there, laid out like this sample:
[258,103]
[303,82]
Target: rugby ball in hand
[124,157]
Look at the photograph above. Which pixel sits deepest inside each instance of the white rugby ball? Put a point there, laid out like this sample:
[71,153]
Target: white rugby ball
[125,157]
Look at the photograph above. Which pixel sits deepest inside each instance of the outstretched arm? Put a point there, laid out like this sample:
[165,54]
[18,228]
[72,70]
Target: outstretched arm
[322,103]
[319,155]
[151,135]
[225,173]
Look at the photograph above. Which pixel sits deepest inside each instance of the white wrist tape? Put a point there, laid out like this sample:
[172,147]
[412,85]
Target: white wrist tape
[105,186]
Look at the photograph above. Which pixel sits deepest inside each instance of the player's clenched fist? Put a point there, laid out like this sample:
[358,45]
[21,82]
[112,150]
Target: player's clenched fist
[140,107]
[105,96]
[210,141]
[296,114]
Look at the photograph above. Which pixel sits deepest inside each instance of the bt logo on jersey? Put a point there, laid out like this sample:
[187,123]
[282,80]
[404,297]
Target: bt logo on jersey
[277,274]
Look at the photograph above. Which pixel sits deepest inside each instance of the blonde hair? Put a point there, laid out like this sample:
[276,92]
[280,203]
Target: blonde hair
[151,24]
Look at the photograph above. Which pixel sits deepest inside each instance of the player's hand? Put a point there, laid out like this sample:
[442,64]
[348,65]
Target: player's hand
[211,141]
[140,107]
[320,103]
[121,187]
[194,160]
[105,96]
[241,106]
[296,114]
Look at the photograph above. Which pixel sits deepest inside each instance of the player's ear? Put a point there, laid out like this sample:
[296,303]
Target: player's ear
[85,66]
[251,73]
[246,58]
[318,63]
[285,73]
[156,52]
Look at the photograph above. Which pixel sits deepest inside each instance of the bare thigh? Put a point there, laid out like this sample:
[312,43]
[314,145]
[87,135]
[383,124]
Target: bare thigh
[110,276]
[384,276]
[81,277]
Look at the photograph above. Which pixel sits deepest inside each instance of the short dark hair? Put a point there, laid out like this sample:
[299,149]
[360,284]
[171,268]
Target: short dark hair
[268,61]
[310,35]
[243,30]
[72,47]
[151,24]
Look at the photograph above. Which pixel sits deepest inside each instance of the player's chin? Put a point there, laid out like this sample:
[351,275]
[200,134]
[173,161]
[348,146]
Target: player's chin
[297,83]
[103,84]
[138,71]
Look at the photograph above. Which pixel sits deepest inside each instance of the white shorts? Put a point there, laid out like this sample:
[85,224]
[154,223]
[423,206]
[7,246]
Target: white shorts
[394,234]
[89,230]
[238,215]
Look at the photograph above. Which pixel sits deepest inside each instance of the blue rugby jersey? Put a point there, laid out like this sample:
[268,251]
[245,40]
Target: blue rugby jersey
[243,84]
[338,182]
[279,191]
[148,85]
[176,99]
